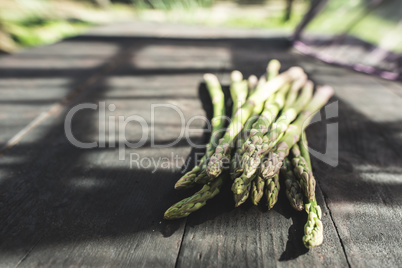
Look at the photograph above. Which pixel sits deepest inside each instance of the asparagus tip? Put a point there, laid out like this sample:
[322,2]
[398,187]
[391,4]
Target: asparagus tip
[208,77]
[236,76]
[274,65]
[214,167]
[309,84]
[296,72]
[299,82]
[252,81]
[326,91]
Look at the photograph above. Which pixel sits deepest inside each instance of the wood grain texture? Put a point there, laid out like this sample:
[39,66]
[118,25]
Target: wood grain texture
[64,206]
[221,236]
[34,80]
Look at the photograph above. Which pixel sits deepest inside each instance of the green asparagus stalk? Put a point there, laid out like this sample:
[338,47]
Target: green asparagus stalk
[238,92]
[273,68]
[302,171]
[252,84]
[184,207]
[294,91]
[217,122]
[257,189]
[294,192]
[313,229]
[273,163]
[272,188]
[236,168]
[303,145]
[221,156]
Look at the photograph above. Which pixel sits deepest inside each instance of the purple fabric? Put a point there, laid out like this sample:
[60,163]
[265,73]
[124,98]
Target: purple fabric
[307,49]
[345,49]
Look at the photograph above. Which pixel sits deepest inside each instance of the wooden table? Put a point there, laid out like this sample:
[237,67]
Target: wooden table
[66,206]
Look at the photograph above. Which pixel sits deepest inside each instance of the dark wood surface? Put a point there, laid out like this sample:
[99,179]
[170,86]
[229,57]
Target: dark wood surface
[64,206]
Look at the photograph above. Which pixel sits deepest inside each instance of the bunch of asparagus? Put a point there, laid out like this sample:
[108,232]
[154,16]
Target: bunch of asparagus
[263,147]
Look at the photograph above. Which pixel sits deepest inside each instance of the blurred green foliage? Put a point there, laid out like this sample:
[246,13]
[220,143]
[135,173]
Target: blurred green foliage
[26,23]
[171,4]
[379,25]
[45,32]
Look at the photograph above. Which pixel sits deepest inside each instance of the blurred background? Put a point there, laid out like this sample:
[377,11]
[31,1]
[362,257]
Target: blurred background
[363,34]
[25,23]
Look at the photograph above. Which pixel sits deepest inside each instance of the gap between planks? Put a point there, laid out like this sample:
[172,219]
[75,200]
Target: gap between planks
[333,222]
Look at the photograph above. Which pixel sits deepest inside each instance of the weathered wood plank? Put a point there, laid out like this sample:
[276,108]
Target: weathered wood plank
[34,80]
[220,235]
[85,207]
[80,202]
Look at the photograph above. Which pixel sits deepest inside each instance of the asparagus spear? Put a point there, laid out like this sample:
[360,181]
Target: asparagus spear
[302,171]
[236,168]
[218,102]
[272,164]
[240,199]
[252,83]
[290,113]
[273,69]
[294,91]
[222,151]
[272,187]
[190,204]
[293,190]
[257,189]
[238,90]
[313,229]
